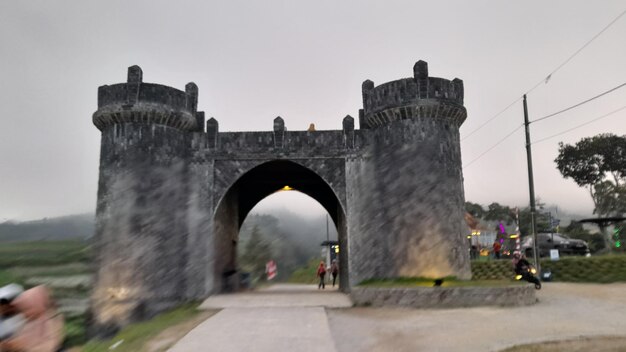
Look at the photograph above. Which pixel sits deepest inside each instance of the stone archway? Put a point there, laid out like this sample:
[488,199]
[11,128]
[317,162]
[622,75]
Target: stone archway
[252,187]
[171,186]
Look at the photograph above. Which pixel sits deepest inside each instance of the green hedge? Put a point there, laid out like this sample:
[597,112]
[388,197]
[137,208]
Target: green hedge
[492,270]
[602,269]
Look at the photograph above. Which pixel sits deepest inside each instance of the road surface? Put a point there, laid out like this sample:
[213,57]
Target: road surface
[302,319]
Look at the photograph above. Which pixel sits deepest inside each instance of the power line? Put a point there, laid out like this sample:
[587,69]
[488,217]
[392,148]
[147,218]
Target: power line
[579,104]
[492,118]
[584,124]
[493,146]
[547,78]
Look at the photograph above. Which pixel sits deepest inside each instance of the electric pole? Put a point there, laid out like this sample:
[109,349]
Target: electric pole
[531,186]
[327,246]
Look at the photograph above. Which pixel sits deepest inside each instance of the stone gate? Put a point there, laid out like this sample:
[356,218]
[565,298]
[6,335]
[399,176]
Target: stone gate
[173,190]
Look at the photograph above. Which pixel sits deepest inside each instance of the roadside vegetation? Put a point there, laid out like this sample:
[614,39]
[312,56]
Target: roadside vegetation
[306,274]
[142,336]
[598,269]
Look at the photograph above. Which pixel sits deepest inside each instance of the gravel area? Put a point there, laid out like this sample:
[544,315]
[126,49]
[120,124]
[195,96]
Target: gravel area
[564,311]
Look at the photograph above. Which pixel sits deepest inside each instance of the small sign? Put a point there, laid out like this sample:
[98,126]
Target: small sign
[554,254]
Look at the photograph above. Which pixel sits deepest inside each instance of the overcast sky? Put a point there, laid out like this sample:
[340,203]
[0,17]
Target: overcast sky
[304,61]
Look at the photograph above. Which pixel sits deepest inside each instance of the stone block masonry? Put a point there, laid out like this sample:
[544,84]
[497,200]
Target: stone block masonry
[444,297]
[174,190]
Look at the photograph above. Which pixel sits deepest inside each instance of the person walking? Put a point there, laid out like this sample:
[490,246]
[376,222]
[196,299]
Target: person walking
[334,270]
[496,249]
[43,327]
[321,272]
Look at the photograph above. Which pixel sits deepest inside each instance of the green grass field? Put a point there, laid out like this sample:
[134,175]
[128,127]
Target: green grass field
[42,253]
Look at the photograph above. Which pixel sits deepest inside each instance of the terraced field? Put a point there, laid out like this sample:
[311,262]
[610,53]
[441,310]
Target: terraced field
[60,265]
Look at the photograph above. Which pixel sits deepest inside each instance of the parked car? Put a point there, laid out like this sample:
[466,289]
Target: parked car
[548,241]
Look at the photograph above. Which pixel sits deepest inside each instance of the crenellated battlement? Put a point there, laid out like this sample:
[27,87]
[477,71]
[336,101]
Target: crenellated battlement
[136,101]
[420,95]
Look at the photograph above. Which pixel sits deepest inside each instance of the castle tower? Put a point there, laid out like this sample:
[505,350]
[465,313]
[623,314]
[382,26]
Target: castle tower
[407,212]
[141,231]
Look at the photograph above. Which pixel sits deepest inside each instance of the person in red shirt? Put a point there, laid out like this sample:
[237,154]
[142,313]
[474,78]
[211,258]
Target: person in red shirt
[496,249]
[321,272]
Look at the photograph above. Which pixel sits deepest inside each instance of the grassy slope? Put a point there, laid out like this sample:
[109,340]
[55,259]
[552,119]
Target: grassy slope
[136,336]
[307,274]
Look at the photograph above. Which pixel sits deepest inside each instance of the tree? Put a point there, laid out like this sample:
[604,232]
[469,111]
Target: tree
[497,212]
[293,239]
[599,164]
[475,209]
[610,198]
[576,230]
[542,221]
[257,252]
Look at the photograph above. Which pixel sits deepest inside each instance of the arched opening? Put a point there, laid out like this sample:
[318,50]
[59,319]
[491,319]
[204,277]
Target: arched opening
[255,185]
[287,228]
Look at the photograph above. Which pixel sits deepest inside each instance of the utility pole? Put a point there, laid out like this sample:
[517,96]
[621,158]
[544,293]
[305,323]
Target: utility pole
[327,247]
[531,186]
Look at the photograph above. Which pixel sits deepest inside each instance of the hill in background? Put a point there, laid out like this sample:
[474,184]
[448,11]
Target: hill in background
[71,227]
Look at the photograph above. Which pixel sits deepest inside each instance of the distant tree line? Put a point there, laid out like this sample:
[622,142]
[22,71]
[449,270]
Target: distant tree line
[288,239]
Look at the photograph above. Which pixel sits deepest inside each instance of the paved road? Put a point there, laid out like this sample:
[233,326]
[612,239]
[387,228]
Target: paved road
[279,318]
[564,311]
[294,318]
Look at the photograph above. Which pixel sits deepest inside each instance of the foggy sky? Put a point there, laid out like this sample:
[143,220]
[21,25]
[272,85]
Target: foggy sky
[304,61]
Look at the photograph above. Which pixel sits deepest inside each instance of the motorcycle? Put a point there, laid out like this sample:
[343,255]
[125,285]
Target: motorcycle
[527,273]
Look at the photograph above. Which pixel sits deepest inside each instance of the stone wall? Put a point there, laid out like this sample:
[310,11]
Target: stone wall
[444,297]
